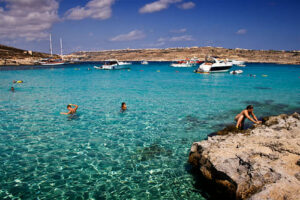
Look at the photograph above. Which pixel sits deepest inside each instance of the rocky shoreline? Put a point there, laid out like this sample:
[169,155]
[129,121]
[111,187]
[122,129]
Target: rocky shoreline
[10,56]
[260,163]
[172,54]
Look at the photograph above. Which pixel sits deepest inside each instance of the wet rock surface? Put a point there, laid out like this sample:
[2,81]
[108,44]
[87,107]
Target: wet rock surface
[260,163]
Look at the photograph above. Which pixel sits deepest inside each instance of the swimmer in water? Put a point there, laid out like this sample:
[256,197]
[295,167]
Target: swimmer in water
[71,110]
[12,89]
[123,107]
[240,118]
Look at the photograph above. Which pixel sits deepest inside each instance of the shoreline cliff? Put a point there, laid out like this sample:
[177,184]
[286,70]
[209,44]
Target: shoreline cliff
[259,163]
[172,54]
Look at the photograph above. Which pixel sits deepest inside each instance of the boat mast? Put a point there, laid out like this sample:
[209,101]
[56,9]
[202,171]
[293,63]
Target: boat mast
[61,53]
[51,46]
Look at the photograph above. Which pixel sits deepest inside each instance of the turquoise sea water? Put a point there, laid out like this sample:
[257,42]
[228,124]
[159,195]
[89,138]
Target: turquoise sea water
[141,154]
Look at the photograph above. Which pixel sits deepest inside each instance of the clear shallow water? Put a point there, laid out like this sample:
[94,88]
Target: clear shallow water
[140,154]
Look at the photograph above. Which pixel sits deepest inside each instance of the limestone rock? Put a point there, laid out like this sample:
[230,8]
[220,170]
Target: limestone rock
[262,163]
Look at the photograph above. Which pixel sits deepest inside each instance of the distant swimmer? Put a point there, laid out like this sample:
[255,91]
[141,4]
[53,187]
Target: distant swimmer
[20,81]
[71,110]
[240,118]
[12,89]
[123,107]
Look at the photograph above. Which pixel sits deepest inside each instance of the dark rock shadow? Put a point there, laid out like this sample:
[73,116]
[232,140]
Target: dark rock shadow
[204,187]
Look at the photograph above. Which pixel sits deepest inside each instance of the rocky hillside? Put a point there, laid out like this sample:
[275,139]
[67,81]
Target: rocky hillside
[260,163]
[14,56]
[171,54]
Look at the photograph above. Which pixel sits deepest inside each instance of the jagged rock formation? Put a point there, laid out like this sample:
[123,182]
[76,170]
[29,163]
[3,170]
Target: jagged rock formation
[260,163]
[171,54]
[14,56]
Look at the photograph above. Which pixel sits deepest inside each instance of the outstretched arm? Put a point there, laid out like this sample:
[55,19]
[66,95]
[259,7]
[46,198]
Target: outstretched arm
[248,116]
[255,118]
[62,113]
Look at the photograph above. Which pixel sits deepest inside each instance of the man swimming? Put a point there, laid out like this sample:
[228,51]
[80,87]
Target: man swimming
[123,107]
[71,110]
[240,118]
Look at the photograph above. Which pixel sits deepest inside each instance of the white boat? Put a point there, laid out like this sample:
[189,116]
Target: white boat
[215,65]
[237,62]
[111,65]
[52,61]
[236,72]
[144,62]
[124,63]
[182,64]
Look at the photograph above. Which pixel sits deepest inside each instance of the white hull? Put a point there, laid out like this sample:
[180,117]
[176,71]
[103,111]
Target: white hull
[236,72]
[52,64]
[124,63]
[110,67]
[215,66]
[181,65]
[237,62]
[144,62]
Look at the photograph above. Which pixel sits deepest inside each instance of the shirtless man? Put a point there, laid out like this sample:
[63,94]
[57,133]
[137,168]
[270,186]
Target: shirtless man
[240,118]
[71,110]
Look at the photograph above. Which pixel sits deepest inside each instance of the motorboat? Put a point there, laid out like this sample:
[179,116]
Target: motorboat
[236,72]
[214,65]
[184,63]
[196,61]
[111,65]
[237,62]
[144,62]
[124,63]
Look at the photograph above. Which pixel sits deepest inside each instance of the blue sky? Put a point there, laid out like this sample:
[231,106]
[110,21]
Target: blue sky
[91,25]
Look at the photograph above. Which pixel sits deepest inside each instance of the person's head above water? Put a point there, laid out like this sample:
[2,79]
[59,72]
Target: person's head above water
[69,106]
[123,106]
[250,107]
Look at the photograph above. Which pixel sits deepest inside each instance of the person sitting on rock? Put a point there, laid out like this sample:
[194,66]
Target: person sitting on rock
[240,118]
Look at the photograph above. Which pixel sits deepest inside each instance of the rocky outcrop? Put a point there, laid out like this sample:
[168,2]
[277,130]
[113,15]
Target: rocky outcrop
[260,163]
[14,56]
[171,54]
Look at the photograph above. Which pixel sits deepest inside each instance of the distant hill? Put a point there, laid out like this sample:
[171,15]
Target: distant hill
[171,54]
[15,56]
[7,52]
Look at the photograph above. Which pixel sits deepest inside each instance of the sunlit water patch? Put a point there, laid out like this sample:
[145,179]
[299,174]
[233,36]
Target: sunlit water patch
[139,154]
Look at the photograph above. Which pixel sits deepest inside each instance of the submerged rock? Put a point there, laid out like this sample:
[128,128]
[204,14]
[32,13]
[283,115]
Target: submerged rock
[261,163]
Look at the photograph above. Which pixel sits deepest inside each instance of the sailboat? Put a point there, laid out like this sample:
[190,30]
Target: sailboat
[52,61]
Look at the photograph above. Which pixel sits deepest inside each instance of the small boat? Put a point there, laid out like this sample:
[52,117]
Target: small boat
[51,61]
[144,62]
[111,65]
[214,65]
[196,61]
[241,65]
[236,72]
[184,63]
[237,62]
[124,63]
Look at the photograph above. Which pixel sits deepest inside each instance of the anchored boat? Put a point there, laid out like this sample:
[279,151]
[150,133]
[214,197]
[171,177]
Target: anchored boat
[214,65]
